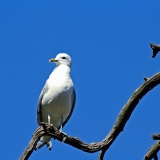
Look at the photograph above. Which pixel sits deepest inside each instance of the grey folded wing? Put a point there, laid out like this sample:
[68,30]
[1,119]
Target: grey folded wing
[73,99]
[39,107]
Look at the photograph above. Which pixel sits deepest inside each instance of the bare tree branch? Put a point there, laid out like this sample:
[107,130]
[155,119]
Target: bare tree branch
[156,137]
[128,108]
[155,49]
[123,117]
[152,152]
[101,155]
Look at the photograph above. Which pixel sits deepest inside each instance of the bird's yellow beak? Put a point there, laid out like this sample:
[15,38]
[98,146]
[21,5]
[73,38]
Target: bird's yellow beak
[53,60]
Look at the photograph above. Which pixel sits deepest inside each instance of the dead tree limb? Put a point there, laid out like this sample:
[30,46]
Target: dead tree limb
[155,49]
[152,152]
[123,117]
[156,137]
[128,108]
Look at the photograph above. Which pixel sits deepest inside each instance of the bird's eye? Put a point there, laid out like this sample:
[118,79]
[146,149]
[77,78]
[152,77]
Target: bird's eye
[63,57]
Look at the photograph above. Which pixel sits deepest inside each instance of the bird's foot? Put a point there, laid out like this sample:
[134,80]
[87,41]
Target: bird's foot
[64,134]
[60,129]
[64,139]
[44,125]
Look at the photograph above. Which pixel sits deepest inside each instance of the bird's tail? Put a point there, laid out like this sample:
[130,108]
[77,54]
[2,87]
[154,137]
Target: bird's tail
[45,140]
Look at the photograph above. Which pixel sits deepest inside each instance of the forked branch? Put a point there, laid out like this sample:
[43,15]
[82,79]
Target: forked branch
[152,152]
[123,117]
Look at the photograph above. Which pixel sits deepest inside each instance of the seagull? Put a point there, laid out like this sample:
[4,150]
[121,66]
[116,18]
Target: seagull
[57,99]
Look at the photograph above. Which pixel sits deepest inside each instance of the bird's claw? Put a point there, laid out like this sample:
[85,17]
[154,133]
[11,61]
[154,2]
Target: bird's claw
[63,133]
[43,124]
[64,139]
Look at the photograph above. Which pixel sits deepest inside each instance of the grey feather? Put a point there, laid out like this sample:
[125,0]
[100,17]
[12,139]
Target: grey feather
[39,108]
[73,98]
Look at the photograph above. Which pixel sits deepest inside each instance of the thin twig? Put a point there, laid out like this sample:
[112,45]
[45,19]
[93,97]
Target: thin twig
[156,137]
[155,49]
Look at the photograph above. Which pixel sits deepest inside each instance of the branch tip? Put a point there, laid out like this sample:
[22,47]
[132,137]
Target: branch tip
[156,136]
[146,79]
[155,48]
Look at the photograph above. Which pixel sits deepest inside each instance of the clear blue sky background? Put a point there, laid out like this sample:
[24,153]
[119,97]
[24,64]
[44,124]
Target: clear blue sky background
[109,45]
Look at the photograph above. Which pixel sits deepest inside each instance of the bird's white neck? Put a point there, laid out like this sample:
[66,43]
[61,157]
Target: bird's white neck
[60,76]
[61,70]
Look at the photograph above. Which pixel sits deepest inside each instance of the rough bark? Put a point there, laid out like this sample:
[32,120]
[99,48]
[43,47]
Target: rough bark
[152,152]
[123,117]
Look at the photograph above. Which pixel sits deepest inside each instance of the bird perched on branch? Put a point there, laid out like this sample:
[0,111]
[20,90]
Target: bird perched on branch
[57,98]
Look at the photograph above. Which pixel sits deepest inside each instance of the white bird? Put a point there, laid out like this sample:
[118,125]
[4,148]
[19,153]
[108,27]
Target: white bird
[57,98]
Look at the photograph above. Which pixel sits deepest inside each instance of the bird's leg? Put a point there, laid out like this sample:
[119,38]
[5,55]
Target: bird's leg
[49,119]
[47,140]
[60,129]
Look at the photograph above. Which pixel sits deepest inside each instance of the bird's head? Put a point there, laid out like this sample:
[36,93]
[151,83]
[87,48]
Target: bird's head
[62,58]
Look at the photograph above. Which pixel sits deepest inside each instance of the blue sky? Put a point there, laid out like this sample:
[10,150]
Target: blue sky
[109,45]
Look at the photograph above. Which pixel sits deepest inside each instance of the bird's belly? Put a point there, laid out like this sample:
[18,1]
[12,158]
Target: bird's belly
[58,109]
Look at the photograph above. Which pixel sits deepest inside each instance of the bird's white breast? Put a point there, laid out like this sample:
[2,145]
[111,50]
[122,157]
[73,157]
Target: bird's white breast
[57,100]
